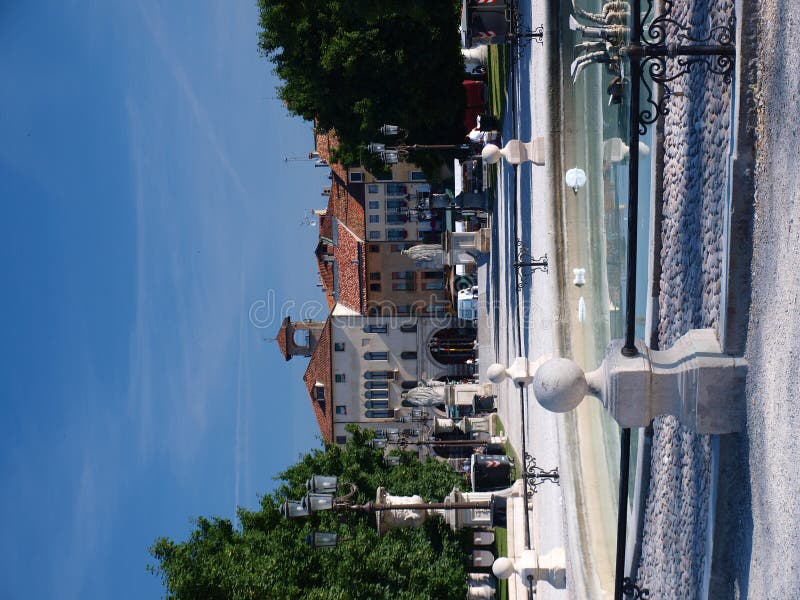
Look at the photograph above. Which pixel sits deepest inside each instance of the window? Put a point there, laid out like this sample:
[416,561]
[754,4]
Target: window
[399,247]
[376,356]
[395,204]
[384,176]
[341,440]
[375,329]
[338,347]
[417,176]
[341,409]
[374,205]
[379,375]
[376,404]
[375,276]
[433,275]
[409,385]
[374,218]
[374,248]
[396,189]
[403,309]
[374,287]
[403,286]
[339,378]
[376,385]
[372,188]
[374,235]
[371,394]
[410,328]
[319,392]
[433,285]
[356,177]
[393,219]
[435,309]
[402,274]
[380,414]
[410,355]
[396,234]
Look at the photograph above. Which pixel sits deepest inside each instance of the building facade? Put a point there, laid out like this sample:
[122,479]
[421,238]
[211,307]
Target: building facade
[361,367]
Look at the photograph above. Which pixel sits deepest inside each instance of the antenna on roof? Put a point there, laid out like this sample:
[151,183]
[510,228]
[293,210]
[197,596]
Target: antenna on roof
[307,220]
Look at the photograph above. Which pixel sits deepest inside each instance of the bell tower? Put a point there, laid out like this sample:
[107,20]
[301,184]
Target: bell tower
[298,339]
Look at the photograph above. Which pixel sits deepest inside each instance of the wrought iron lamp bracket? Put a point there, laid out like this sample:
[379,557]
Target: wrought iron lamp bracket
[664,38]
[525,260]
[535,476]
[343,502]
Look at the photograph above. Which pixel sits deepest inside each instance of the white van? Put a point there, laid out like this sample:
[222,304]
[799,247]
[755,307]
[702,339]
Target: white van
[467,304]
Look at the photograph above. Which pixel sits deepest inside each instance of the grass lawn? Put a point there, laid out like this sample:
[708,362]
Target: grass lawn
[500,430]
[498,70]
[497,80]
[501,541]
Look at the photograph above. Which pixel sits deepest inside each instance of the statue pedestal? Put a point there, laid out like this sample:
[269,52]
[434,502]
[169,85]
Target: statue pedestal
[462,247]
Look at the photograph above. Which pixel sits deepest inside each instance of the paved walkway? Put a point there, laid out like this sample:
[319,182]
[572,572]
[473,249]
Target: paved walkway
[763,481]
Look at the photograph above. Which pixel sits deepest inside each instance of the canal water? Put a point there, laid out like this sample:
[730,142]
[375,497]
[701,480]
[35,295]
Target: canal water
[595,223]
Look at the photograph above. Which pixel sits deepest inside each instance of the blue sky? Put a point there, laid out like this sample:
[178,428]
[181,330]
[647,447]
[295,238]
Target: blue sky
[147,207]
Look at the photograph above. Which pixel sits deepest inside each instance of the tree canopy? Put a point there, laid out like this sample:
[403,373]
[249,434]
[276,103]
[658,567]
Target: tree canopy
[353,65]
[265,557]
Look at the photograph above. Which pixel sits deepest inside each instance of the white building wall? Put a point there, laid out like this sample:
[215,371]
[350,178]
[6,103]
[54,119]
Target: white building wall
[353,364]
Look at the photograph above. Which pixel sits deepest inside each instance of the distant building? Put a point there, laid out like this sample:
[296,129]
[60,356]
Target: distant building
[360,366]
[389,326]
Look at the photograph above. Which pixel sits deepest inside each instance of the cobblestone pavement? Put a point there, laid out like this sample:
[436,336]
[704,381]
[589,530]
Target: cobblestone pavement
[696,143]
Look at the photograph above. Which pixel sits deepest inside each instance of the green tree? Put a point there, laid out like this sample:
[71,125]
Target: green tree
[266,557]
[353,65]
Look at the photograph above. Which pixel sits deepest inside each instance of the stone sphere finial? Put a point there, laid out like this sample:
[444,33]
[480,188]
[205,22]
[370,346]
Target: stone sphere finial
[496,373]
[559,385]
[503,568]
[490,154]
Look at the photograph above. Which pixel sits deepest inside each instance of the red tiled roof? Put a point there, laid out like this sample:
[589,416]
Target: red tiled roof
[343,205]
[325,269]
[319,370]
[349,256]
[324,143]
[283,338]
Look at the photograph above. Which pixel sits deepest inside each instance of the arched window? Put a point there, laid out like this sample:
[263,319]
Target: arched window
[380,414]
[453,346]
[376,355]
[376,394]
[376,404]
[379,375]
[376,385]
[410,355]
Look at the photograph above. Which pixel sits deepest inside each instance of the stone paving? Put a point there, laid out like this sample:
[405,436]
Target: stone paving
[696,143]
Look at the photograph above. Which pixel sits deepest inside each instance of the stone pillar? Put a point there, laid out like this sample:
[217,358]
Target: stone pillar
[532,568]
[693,381]
[516,152]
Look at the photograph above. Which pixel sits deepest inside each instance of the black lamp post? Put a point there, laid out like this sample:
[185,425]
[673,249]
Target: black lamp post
[391,155]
